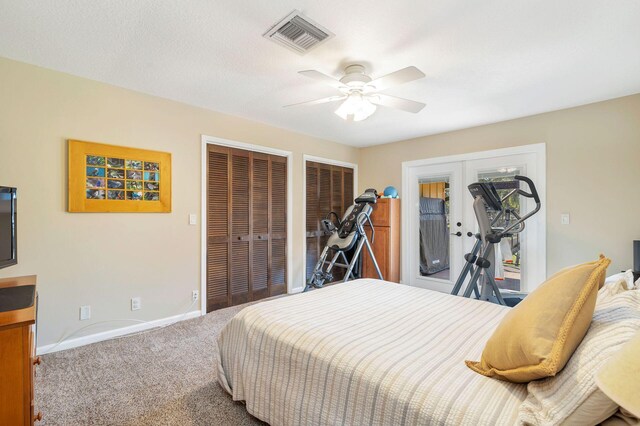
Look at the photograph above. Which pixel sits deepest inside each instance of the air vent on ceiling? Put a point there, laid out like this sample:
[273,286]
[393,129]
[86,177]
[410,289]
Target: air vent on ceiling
[298,33]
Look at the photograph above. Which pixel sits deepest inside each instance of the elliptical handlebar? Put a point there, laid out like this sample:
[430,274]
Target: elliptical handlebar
[519,224]
[532,187]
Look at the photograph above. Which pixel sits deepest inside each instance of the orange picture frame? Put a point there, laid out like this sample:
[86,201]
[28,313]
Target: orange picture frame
[115,179]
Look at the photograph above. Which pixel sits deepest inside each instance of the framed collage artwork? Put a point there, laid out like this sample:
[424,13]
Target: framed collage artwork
[111,178]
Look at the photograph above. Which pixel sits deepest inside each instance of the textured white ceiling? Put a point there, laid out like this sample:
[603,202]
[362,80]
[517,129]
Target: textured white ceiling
[485,60]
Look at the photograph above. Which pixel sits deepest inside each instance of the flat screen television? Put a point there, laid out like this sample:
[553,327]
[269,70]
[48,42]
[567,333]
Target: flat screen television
[8,227]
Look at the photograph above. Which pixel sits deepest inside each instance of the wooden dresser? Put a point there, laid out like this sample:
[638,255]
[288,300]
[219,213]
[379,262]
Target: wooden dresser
[17,352]
[386,246]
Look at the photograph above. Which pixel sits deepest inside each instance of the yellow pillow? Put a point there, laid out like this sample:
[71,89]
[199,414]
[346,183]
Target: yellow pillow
[537,337]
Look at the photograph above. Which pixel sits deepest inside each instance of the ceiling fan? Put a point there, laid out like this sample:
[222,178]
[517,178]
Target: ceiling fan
[360,92]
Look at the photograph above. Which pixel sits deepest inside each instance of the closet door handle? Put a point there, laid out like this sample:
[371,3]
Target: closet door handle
[457,234]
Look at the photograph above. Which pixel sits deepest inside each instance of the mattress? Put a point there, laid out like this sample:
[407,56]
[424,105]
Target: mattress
[365,352]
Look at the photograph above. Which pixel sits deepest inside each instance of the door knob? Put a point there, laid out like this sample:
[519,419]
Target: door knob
[457,234]
[469,234]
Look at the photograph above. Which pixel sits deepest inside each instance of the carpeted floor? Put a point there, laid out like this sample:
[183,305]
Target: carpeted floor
[161,377]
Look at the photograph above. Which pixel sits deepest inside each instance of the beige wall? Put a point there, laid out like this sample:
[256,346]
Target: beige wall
[103,260]
[593,173]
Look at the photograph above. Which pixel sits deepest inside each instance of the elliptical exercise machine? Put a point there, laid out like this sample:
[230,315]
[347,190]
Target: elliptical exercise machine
[348,233]
[483,255]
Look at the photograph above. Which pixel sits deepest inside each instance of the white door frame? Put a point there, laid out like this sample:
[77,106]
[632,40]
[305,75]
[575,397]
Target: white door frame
[212,140]
[330,162]
[541,185]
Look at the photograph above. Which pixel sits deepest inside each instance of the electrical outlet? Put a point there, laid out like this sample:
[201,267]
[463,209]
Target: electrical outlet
[136,303]
[85,312]
[194,295]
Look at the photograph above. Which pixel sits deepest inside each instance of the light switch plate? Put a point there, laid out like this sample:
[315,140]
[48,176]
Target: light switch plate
[565,219]
[193,219]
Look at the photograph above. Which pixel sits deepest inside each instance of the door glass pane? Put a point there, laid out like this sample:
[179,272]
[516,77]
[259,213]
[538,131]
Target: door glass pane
[508,252]
[434,227]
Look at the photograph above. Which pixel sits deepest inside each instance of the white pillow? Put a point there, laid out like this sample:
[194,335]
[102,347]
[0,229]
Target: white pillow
[617,284]
[572,396]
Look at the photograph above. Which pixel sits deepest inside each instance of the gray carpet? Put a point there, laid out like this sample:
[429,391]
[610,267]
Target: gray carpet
[161,377]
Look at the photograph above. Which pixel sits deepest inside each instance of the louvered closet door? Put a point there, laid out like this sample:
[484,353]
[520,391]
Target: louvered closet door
[246,226]
[336,205]
[312,224]
[328,188]
[260,226]
[218,228]
[347,194]
[240,238]
[278,231]
[324,201]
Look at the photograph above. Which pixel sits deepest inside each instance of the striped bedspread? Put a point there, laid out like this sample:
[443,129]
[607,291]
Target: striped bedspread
[366,352]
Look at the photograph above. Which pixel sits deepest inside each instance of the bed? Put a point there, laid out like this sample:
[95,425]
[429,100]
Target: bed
[365,352]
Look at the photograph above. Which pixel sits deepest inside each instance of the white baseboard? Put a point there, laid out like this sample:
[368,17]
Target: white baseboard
[110,334]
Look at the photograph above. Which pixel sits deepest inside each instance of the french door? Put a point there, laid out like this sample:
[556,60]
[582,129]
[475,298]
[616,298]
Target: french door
[436,192]
[441,225]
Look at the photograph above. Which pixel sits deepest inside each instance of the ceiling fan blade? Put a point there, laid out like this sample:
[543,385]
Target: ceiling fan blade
[396,78]
[398,103]
[319,101]
[317,75]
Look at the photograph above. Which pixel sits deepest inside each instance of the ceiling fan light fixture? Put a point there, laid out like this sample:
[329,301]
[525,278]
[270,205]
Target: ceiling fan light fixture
[360,92]
[356,107]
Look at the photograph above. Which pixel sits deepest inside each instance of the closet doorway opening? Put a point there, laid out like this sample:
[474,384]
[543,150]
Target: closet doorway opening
[329,185]
[439,225]
[246,223]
